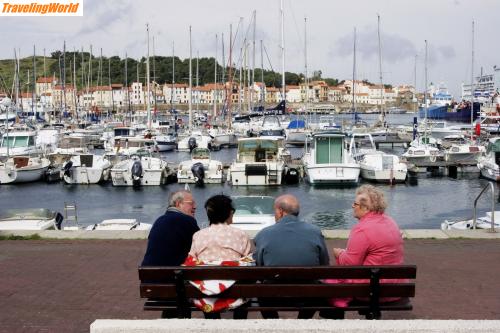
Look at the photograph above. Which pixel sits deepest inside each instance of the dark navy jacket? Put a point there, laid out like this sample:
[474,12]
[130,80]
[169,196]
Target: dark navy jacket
[170,239]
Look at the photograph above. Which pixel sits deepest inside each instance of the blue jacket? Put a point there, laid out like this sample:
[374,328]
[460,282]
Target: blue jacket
[290,242]
[170,239]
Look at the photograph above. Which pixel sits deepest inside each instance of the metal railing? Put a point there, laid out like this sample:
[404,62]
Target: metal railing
[492,187]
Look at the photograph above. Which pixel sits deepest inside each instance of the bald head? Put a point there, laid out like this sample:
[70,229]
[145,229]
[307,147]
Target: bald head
[286,204]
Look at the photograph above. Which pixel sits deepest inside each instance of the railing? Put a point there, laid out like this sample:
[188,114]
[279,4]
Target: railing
[491,186]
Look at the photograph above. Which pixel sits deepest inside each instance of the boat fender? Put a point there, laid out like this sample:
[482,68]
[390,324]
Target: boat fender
[432,158]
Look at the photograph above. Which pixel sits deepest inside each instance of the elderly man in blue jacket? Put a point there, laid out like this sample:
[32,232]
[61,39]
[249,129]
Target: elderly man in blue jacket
[290,242]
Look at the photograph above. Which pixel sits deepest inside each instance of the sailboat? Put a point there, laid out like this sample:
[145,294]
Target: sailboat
[422,150]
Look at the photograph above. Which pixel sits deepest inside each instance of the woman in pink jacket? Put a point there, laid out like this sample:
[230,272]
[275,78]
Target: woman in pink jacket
[374,240]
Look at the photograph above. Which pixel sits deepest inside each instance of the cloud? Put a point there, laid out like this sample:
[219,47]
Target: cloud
[104,14]
[395,48]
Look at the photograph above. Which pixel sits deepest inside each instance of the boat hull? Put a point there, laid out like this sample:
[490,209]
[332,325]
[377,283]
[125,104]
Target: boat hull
[333,174]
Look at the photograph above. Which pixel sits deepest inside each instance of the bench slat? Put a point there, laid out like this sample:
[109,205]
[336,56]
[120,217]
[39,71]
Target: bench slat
[401,305]
[149,290]
[288,273]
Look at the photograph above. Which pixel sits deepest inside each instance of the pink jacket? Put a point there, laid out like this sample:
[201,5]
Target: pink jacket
[374,240]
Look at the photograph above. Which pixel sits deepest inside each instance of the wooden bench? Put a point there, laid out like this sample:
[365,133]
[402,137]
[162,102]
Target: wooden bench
[168,288]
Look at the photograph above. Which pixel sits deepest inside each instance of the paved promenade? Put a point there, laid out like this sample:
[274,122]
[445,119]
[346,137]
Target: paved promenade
[64,285]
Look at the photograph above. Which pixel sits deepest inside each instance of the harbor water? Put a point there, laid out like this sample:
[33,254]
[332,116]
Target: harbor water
[414,206]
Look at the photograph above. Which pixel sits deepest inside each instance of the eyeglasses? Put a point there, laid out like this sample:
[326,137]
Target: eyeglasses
[188,202]
[356,204]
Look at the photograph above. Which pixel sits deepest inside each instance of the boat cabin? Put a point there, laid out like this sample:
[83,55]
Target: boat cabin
[257,149]
[329,147]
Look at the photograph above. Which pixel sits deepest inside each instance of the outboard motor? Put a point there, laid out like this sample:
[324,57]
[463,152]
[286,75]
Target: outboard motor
[292,176]
[58,221]
[198,171]
[192,144]
[136,173]
[67,169]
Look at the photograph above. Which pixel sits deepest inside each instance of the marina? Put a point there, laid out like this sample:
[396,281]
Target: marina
[103,187]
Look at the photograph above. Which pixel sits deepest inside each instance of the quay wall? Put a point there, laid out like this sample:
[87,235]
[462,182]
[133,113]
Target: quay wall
[329,234]
[293,325]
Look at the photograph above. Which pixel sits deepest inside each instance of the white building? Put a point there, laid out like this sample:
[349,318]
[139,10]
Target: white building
[293,94]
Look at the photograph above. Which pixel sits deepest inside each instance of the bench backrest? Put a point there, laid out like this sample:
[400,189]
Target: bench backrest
[168,282]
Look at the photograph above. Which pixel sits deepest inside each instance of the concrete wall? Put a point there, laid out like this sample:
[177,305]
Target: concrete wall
[294,325]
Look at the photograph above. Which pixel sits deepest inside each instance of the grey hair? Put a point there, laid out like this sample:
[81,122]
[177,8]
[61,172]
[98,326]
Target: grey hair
[377,199]
[176,197]
[291,207]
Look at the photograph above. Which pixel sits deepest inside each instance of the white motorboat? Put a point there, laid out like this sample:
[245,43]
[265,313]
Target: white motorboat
[200,168]
[196,139]
[86,169]
[259,161]
[271,126]
[119,224]
[460,150]
[483,222]
[131,145]
[253,212]
[23,169]
[376,165]
[223,138]
[140,170]
[423,150]
[296,132]
[329,162]
[489,162]
[30,219]
[19,143]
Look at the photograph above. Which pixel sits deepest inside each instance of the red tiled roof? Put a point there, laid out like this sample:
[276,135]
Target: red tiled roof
[46,79]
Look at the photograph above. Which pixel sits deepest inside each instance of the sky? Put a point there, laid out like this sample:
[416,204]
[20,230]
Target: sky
[119,27]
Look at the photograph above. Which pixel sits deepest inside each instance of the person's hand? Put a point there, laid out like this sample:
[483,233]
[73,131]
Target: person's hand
[337,251]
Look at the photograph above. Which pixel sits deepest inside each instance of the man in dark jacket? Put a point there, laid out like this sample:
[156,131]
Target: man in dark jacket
[170,237]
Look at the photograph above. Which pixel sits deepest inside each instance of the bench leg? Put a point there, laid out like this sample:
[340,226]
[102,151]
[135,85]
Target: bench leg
[373,315]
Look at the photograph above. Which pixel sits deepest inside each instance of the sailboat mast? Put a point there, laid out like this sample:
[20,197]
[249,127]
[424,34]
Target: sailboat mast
[283,52]
[197,81]
[230,75]
[382,102]
[306,100]
[472,83]
[263,87]
[354,77]
[172,93]
[215,79]
[415,100]
[425,92]
[64,75]
[33,93]
[190,82]
[252,81]
[148,79]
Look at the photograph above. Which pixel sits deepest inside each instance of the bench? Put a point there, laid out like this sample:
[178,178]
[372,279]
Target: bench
[168,288]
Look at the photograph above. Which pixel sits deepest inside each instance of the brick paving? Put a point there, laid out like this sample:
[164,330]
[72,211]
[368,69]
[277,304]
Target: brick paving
[64,285]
